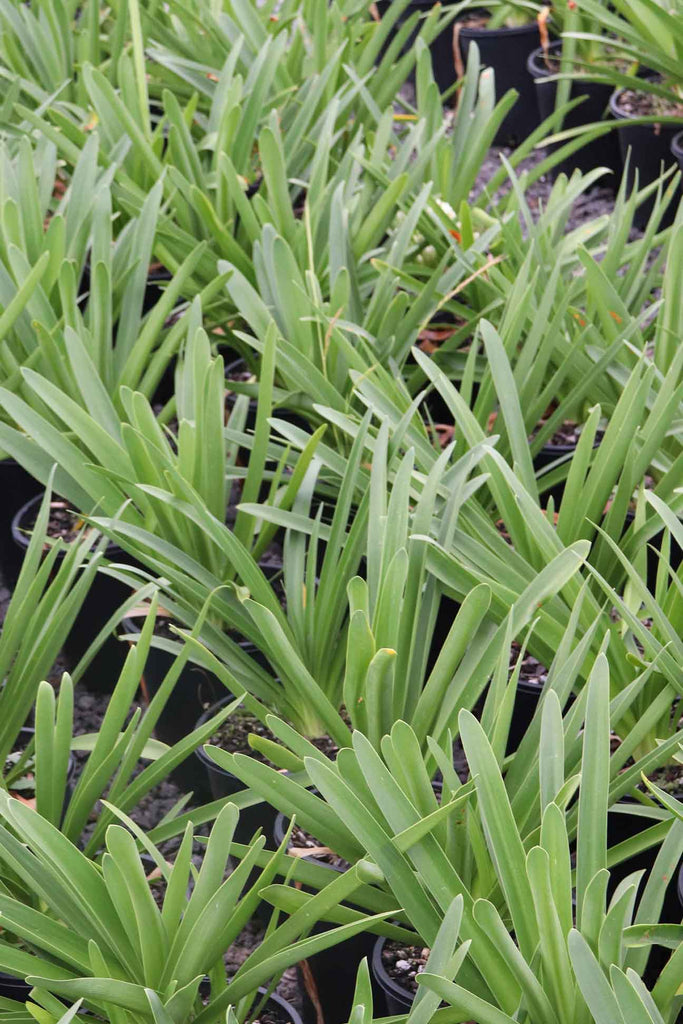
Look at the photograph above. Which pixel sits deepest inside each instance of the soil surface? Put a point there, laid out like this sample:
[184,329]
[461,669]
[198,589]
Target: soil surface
[302,840]
[272,1013]
[404,963]
[239,374]
[234,733]
[568,435]
[62,523]
[646,104]
[157,884]
[594,203]
[474,20]
[531,671]
[669,778]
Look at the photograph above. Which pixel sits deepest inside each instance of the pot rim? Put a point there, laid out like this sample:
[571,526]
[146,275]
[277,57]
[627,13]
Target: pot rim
[280,826]
[199,752]
[533,68]
[22,538]
[383,977]
[293,1014]
[207,761]
[622,115]
[503,32]
[677,144]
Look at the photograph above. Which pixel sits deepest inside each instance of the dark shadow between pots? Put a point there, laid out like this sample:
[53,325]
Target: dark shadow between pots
[330,975]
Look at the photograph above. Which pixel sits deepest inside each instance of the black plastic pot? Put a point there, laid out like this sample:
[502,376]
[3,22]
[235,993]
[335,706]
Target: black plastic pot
[18,486]
[398,999]
[333,971]
[14,988]
[601,152]
[104,597]
[621,827]
[441,48]
[195,688]
[222,783]
[289,1014]
[153,292]
[526,704]
[283,1010]
[650,150]
[548,454]
[652,554]
[677,148]
[506,51]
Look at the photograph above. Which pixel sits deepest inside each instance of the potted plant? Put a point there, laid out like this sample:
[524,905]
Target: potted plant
[50,592]
[327,977]
[412,19]
[648,101]
[422,841]
[37,759]
[99,613]
[145,956]
[586,59]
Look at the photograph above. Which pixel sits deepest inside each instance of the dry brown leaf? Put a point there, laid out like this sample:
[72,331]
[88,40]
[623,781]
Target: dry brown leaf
[312,851]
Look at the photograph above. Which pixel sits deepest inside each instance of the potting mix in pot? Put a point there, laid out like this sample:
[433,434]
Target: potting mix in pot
[341,429]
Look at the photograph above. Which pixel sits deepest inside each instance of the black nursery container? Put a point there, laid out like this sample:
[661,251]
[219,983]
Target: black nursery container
[276,1010]
[506,50]
[652,556]
[677,148]
[649,148]
[194,689]
[284,1012]
[527,697]
[222,783]
[548,454]
[104,597]
[18,486]
[623,826]
[601,152]
[398,999]
[14,988]
[441,48]
[333,970]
